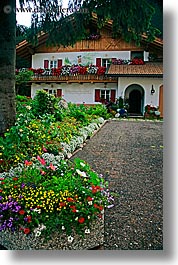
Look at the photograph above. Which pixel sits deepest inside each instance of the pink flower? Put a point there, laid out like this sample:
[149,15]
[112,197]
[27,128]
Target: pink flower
[27,163]
[52,167]
[41,160]
[44,149]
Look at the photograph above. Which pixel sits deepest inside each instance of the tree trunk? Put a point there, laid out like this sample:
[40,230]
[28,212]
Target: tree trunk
[7,64]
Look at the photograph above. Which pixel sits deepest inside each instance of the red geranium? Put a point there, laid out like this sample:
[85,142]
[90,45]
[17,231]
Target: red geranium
[81,220]
[73,208]
[70,199]
[21,212]
[26,231]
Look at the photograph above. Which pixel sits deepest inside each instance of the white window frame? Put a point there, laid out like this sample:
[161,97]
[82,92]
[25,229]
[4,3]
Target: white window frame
[106,62]
[107,93]
[53,64]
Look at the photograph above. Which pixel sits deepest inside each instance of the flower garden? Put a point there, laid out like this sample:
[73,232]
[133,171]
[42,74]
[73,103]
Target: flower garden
[42,192]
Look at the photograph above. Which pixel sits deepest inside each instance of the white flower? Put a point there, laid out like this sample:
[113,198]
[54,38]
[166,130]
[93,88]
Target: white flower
[81,173]
[63,228]
[38,233]
[82,164]
[28,107]
[42,226]
[70,239]
[87,231]
[90,202]
[37,210]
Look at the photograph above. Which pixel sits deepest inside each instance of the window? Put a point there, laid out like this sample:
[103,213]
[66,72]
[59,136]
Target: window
[53,64]
[52,92]
[137,54]
[105,95]
[106,62]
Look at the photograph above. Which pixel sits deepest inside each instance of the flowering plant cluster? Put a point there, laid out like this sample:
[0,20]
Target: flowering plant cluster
[35,135]
[67,70]
[44,198]
[150,108]
[151,111]
[94,37]
[135,61]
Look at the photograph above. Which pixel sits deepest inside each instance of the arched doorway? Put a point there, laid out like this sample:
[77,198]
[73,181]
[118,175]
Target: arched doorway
[135,101]
[134,96]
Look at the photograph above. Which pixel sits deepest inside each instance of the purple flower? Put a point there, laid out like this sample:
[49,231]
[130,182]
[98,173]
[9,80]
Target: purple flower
[22,185]
[110,206]
[1,198]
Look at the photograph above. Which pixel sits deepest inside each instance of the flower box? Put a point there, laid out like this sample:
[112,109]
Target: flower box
[20,241]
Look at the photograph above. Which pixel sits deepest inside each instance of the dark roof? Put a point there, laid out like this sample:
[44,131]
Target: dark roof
[148,69]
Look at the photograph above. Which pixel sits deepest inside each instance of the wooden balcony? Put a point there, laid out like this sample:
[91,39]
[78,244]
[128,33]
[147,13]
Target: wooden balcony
[88,78]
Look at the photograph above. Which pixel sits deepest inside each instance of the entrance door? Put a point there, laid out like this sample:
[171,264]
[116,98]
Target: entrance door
[135,102]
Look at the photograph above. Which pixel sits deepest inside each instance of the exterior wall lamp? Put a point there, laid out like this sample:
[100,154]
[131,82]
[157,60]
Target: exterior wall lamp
[152,90]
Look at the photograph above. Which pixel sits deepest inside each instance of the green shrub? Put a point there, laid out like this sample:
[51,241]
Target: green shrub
[44,103]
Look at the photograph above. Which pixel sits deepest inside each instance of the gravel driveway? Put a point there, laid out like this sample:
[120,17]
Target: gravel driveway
[130,156]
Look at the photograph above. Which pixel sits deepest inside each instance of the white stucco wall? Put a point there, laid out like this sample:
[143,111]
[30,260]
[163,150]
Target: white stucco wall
[146,83]
[75,92]
[86,57]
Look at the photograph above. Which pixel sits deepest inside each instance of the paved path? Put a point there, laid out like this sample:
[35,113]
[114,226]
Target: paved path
[130,156]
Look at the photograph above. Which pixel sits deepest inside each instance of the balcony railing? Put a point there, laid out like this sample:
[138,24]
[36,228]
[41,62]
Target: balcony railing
[74,78]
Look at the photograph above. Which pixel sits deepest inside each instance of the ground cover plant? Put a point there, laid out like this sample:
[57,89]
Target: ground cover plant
[43,125]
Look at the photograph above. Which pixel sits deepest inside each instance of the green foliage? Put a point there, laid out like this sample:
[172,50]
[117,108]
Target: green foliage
[99,110]
[43,103]
[130,19]
[121,103]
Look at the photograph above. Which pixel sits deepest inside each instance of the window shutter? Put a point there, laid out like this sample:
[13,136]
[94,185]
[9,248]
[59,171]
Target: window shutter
[113,95]
[59,63]
[97,95]
[59,93]
[98,62]
[46,64]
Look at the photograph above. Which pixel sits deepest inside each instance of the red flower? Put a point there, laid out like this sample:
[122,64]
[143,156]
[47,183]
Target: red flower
[0,190]
[73,208]
[15,187]
[62,204]
[2,182]
[29,218]
[89,198]
[26,231]
[81,220]
[21,212]
[70,199]
[15,179]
